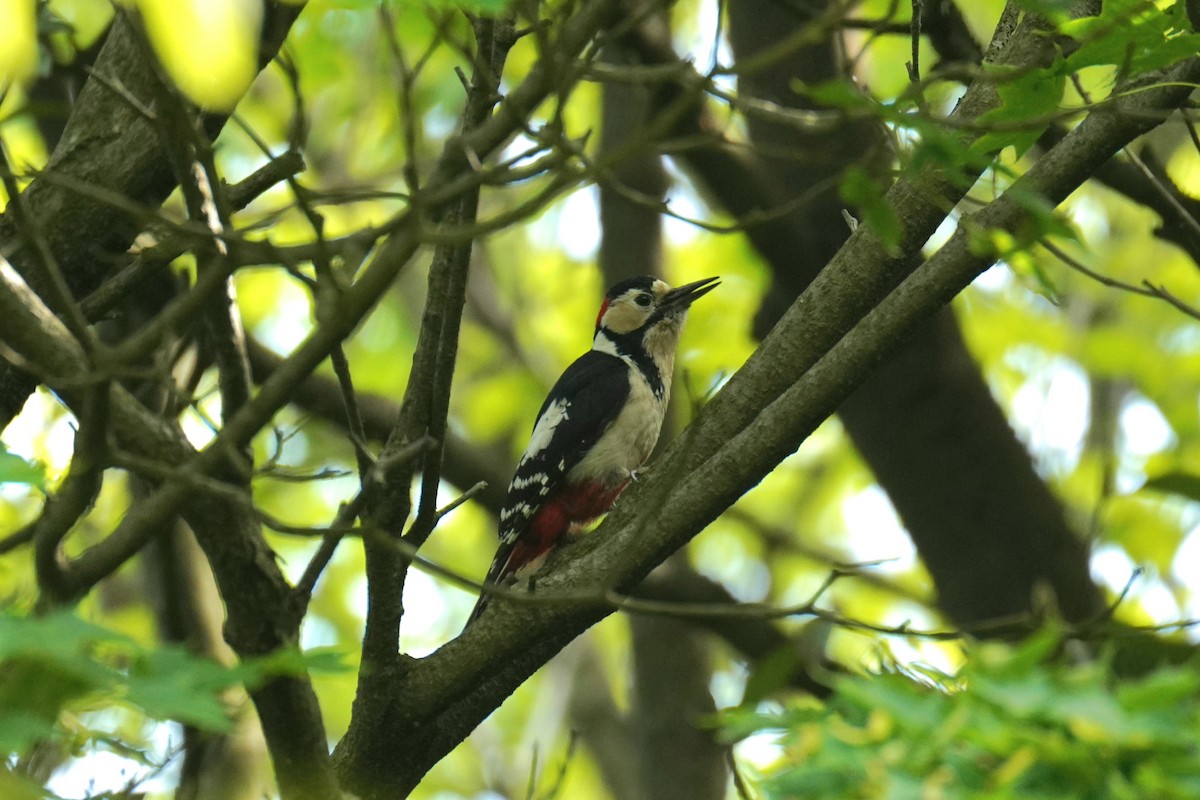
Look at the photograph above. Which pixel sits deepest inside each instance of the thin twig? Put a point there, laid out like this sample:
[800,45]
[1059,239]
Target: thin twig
[1147,289]
[241,194]
[347,513]
[1171,197]
[914,66]
[458,501]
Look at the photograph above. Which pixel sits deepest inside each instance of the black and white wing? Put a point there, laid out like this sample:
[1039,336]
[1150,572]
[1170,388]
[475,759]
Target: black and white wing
[583,403]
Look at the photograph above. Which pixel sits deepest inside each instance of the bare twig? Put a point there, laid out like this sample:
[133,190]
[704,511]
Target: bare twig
[458,501]
[1183,215]
[349,512]
[914,66]
[427,396]
[1146,289]
[241,194]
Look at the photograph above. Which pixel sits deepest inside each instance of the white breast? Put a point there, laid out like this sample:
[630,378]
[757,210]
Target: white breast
[627,443]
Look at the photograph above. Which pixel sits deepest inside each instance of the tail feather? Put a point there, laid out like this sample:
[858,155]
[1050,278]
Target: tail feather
[524,551]
[507,567]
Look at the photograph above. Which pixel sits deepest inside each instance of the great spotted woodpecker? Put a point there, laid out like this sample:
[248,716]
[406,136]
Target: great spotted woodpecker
[596,427]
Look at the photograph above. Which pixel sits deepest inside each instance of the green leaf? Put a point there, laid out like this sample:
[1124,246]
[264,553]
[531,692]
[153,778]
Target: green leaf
[14,469]
[1019,724]
[1183,484]
[1028,103]
[53,663]
[739,722]
[1164,689]
[1137,37]
[770,674]
[837,93]
[19,787]
[866,197]
[478,6]
[483,6]
[170,683]
[20,729]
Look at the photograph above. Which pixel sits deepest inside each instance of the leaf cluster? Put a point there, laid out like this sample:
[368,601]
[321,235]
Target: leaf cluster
[1011,724]
[59,666]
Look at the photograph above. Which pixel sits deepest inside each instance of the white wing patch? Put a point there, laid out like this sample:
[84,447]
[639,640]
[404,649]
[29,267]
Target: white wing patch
[537,477]
[543,432]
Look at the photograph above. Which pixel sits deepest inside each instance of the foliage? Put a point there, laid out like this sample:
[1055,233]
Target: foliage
[1098,381]
[1014,722]
[58,667]
[14,469]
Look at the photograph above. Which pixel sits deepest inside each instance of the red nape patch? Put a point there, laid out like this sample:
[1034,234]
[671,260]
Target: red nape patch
[600,316]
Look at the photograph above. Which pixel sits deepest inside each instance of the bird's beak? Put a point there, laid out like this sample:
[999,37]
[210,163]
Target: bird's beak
[680,298]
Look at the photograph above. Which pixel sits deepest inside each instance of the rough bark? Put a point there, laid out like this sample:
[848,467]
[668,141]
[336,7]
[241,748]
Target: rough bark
[421,708]
[470,462]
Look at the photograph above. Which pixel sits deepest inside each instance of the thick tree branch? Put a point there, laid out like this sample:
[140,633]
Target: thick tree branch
[467,462]
[455,174]
[481,667]
[131,276]
[735,441]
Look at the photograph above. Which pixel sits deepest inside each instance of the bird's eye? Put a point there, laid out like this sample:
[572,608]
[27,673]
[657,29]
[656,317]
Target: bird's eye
[643,300]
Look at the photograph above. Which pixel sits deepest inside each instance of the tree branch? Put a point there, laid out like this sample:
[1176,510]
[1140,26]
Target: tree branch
[751,425]
[255,592]
[86,236]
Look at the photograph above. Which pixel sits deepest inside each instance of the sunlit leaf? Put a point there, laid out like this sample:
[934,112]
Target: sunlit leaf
[1018,726]
[54,662]
[836,94]
[1144,529]
[770,674]
[1028,101]
[866,197]
[14,469]
[209,48]
[18,41]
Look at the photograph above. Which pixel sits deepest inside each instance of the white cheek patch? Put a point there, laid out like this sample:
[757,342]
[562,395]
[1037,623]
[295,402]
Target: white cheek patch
[543,432]
[621,318]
